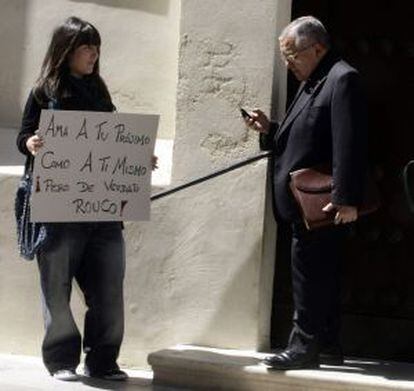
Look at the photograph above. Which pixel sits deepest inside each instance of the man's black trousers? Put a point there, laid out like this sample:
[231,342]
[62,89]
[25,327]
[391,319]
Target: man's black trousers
[316,258]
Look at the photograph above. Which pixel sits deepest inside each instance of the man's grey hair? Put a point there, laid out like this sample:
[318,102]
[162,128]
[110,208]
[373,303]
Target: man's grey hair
[306,30]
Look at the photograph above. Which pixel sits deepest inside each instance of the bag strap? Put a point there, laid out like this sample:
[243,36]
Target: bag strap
[28,169]
[52,104]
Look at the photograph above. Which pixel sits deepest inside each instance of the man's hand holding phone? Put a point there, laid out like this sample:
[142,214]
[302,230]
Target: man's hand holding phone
[256,120]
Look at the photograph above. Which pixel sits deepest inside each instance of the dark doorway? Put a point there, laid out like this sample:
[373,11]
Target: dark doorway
[378,298]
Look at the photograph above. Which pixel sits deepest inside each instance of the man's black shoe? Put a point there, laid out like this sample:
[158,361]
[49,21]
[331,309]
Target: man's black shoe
[331,355]
[289,359]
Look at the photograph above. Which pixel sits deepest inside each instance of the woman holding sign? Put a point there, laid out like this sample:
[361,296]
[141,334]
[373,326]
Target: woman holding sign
[92,253]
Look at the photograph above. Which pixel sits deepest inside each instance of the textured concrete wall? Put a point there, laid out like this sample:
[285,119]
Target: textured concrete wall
[202,263]
[12,41]
[139,52]
[226,61]
[20,310]
[200,271]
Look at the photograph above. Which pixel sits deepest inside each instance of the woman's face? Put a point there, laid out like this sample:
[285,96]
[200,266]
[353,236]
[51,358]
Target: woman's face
[83,59]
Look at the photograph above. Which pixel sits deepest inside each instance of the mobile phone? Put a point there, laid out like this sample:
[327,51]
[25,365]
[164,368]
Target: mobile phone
[245,114]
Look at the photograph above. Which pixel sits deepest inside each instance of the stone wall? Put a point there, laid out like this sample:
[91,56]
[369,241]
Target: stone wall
[204,264]
[201,271]
[138,56]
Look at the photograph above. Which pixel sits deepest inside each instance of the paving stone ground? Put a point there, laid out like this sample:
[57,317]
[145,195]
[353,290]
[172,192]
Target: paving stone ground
[22,373]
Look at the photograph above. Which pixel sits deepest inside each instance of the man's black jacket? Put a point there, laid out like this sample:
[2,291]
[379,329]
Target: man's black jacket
[326,123]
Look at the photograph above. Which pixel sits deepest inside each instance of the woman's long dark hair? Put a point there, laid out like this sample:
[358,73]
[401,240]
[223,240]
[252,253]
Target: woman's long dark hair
[52,82]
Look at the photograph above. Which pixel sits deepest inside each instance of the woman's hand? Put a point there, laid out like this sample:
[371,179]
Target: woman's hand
[258,121]
[34,143]
[154,162]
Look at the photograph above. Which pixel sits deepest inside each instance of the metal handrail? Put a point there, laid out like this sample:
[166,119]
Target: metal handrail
[214,174]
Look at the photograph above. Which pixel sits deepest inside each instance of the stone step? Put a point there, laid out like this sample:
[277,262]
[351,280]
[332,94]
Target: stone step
[195,367]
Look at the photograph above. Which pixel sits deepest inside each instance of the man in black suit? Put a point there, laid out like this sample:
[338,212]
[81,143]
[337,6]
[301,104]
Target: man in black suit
[326,123]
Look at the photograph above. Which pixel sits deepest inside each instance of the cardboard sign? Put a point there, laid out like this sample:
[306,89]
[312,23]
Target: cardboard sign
[94,166]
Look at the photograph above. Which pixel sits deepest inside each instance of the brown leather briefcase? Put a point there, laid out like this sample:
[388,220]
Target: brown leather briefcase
[312,189]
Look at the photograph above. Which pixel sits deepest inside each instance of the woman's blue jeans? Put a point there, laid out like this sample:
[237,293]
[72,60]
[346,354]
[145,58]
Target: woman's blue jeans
[93,254]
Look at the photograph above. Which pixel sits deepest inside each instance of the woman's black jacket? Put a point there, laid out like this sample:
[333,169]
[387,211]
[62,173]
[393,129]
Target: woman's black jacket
[80,94]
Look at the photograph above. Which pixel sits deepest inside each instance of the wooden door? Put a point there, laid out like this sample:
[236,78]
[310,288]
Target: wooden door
[378,290]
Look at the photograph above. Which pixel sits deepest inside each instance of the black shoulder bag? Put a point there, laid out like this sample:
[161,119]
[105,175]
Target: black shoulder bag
[30,236]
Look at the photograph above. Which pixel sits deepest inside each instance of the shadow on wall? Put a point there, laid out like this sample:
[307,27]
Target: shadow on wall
[160,7]
[12,26]
[239,309]
[223,282]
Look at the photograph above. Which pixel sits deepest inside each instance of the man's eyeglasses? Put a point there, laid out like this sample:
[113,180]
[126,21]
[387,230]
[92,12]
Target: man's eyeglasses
[292,57]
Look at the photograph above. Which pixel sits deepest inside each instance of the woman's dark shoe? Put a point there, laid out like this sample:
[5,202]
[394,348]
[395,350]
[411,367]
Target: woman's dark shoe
[67,374]
[289,359]
[111,374]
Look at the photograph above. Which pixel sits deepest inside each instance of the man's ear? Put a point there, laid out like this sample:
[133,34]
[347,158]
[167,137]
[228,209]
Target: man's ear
[320,49]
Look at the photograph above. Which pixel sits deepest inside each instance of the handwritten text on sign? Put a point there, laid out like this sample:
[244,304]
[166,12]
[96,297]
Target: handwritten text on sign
[94,166]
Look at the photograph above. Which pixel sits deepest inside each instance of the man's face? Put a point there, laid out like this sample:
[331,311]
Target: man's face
[301,61]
